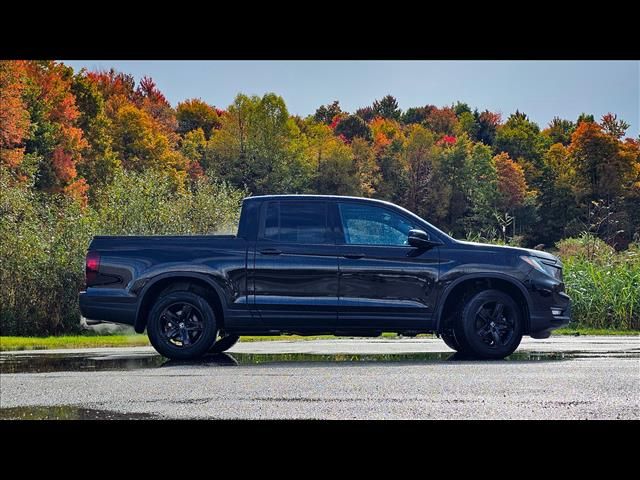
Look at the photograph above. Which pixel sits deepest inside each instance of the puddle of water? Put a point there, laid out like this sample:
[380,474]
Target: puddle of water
[41,363]
[67,412]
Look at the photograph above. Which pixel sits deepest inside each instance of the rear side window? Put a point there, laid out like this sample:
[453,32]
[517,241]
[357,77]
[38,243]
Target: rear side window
[297,222]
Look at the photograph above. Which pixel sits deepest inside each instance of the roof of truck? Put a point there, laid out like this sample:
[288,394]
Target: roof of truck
[311,196]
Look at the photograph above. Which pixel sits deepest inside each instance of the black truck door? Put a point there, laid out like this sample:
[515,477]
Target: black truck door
[296,268]
[383,282]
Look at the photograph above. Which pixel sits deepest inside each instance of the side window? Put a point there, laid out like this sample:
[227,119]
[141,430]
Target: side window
[373,225]
[271,228]
[297,222]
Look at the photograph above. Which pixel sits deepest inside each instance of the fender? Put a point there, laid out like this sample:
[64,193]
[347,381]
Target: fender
[207,278]
[500,276]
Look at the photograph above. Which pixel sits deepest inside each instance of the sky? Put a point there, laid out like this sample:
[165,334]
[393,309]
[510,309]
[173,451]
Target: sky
[541,89]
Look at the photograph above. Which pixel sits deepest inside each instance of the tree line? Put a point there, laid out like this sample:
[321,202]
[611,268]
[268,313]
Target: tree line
[470,172]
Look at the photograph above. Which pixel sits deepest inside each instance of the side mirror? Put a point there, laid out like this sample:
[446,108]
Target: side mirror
[420,239]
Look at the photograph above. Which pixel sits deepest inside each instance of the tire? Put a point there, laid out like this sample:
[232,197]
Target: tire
[489,326]
[179,332]
[224,343]
[451,341]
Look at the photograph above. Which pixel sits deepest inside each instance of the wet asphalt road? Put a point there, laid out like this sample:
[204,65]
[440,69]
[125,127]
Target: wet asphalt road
[557,378]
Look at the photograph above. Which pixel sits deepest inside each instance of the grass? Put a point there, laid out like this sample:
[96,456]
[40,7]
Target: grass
[71,341]
[594,331]
[95,341]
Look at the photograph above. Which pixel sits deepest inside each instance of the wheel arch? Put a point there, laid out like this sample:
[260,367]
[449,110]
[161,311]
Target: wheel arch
[477,282]
[195,282]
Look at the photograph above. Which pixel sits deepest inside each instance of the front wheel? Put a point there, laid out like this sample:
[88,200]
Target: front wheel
[489,325]
[182,325]
[224,343]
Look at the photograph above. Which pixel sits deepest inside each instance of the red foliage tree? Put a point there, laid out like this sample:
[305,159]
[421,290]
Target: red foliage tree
[14,117]
[442,120]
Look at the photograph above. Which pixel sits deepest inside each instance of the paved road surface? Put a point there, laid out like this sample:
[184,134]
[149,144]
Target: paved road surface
[557,378]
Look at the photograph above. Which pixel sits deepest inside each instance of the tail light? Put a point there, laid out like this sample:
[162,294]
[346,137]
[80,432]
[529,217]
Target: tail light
[92,266]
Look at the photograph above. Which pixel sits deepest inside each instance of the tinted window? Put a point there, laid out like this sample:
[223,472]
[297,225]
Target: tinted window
[271,221]
[297,222]
[372,225]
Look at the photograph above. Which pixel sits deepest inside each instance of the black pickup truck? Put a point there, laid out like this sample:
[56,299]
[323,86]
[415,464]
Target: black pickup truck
[310,264]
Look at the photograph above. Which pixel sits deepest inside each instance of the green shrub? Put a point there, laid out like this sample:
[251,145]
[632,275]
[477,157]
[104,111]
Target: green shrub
[44,239]
[604,285]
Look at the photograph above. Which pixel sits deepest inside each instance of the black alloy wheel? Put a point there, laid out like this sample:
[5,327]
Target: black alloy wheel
[182,325]
[489,325]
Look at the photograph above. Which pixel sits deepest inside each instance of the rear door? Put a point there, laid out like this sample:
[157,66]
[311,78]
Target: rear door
[384,282]
[296,267]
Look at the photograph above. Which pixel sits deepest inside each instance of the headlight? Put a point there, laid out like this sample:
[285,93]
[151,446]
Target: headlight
[544,267]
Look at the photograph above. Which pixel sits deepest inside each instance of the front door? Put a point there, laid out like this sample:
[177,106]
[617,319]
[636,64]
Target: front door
[296,267]
[383,282]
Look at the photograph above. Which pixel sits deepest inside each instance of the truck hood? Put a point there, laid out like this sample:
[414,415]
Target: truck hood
[510,250]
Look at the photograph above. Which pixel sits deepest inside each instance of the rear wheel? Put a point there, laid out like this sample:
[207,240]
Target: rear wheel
[224,343]
[450,340]
[182,325]
[489,325]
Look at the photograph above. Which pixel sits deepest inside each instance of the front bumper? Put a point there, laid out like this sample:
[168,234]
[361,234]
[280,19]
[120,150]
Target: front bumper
[108,306]
[550,305]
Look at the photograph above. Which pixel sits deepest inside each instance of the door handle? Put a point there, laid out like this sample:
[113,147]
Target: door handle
[353,256]
[270,251]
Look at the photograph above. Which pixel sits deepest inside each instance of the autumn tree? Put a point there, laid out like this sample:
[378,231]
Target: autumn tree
[388,139]
[418,160]
[196,114]
[559,131]
[141,143]
[511,182]
[482,190]
[117,89]
[153,101]
[351,127]
[326,113]
[56,143]
[451,182]
[253,147]
[442,121]
[521,139]
[585,117]
[14,116]
[488,123]
[367,169]
[468,124]
[601,167]
[387,107]
[100,162]
[415,115]
[193,147]
[460,107]
[337,174]
[557,199]
[614,127]
[366,113]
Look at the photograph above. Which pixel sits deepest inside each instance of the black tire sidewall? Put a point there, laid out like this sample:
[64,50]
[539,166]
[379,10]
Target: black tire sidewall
[465,332]
[162,345]
[224,344]
[450,340]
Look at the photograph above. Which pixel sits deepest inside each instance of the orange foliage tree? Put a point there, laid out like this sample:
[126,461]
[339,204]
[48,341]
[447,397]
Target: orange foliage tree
[14,116]
[512,185]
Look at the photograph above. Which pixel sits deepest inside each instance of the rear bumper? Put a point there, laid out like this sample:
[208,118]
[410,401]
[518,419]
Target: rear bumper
[107,306]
